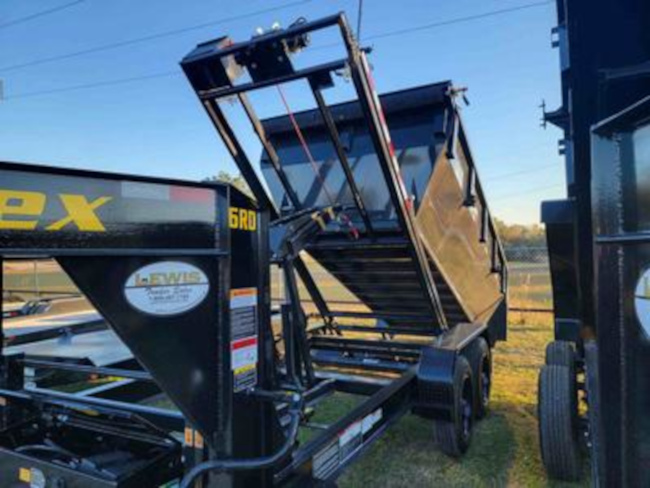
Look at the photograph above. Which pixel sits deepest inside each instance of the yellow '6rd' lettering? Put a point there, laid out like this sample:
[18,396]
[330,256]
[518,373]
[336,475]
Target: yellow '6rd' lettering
[243,219]
[23,203]
[27,204]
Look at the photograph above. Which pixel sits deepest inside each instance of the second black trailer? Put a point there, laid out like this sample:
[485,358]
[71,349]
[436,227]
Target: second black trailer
[594,389]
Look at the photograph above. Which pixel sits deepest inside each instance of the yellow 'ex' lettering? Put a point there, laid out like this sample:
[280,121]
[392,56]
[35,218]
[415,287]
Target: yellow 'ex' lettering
[26,207]
[23,204]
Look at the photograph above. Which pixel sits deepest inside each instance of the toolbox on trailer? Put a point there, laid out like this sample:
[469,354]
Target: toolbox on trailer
[381,191]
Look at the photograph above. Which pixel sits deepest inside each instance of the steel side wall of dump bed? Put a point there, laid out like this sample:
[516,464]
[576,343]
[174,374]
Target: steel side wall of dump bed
[450,232]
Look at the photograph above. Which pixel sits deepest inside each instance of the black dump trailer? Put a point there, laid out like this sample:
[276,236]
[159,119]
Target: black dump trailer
[382,192]
[595,387]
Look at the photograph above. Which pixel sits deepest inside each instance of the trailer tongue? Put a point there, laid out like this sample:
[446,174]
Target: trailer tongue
[381,191]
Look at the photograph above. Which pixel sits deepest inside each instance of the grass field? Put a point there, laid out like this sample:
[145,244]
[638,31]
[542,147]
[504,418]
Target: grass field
[504,451]
[529,283]
[32,278]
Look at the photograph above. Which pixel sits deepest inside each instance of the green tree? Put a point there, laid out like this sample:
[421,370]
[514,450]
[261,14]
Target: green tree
[520,235]
[237,181]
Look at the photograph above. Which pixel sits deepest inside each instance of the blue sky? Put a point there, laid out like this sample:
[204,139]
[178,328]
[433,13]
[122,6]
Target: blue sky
[156,127]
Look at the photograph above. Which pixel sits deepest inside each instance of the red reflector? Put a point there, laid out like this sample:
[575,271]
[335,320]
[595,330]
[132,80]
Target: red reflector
[249,341]
[186,194]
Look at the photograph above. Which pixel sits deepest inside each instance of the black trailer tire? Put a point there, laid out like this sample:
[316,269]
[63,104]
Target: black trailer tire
[480,360]
[558,422]
[453,437]
[560,353]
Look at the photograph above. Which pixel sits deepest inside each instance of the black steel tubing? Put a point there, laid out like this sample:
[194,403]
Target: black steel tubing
[385,316]
[387,330]
[368,363]
[298,322]
[340,152]
[53,333]
[312,288]
[239,156]
[293,31]
[82,368]
[394,389]
[385,344]
[372,114]
[108,406]
[270,151]
[224,92]
[221,465]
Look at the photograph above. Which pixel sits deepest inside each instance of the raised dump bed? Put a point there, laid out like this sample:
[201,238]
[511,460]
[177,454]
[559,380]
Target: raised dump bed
[445,204]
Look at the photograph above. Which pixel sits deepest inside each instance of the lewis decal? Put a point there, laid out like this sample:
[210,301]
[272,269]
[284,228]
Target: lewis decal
[166,288]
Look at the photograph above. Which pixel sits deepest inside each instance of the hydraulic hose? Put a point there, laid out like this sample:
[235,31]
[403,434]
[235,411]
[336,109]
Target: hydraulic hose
[221,465]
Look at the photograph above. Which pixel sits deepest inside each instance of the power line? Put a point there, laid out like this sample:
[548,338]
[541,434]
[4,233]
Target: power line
[42,13]
[186,29]
[359,20]
[116,45]
[458,20]
[147,38]
[521,172]
[86,86]
[444,23]
[526,192]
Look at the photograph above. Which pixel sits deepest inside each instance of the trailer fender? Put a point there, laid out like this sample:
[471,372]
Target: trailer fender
[435,387]
[498,324]
[435,372]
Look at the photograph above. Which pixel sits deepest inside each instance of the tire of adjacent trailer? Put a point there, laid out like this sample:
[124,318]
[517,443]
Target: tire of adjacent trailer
[480,361]
[560,353]
[558,422]
[453,437]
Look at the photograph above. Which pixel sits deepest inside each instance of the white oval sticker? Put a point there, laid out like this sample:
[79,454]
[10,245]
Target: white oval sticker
[166,288]
[642,301]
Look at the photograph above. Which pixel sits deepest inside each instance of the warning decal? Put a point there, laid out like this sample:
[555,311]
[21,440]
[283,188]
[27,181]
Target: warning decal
[327,461]
[348,442]
[244,338]
[244,353]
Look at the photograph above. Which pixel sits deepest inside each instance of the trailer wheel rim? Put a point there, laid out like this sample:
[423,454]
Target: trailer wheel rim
[466,409]
[467,418]
[485,382]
